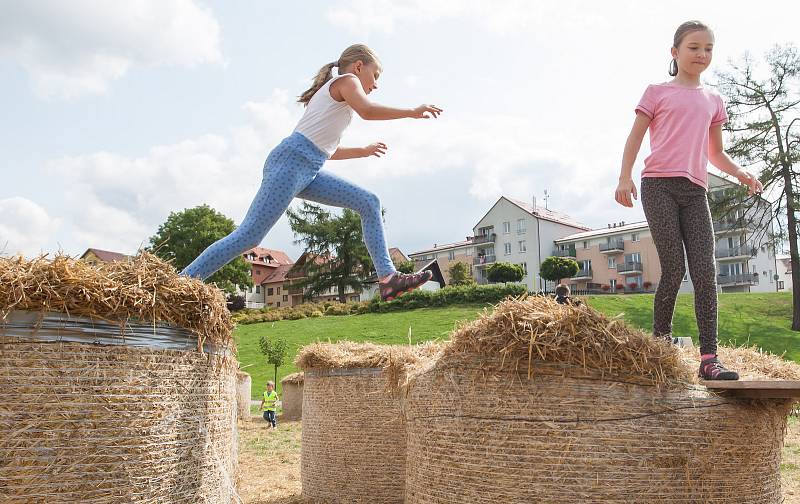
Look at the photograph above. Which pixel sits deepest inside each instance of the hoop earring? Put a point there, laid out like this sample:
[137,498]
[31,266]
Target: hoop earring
[673,67]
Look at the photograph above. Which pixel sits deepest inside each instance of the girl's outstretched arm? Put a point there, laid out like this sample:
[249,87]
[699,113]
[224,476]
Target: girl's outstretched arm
[354,95]
[626,188]
[377,149]
[721,159]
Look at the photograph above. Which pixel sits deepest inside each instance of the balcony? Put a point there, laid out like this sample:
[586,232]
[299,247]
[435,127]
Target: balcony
[483,260]
[735,253]
[630,268]
[728,226]
[614,247]
[583,274]
[570,252]
[484,238]
[744,279]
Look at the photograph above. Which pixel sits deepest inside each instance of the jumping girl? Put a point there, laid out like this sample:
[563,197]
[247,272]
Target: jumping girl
[293,169]
[685,121]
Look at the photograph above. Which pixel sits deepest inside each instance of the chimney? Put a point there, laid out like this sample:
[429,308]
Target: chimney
[609,226]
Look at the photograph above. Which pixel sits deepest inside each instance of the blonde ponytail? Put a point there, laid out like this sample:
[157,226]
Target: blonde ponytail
[356,52]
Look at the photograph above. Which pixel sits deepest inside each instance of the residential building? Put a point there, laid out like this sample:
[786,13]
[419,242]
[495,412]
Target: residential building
[784,269]
[624,255]
[618,258]
[295,292]
[511,231]
[268,268]
[745,256]
[94,256]
[445,255]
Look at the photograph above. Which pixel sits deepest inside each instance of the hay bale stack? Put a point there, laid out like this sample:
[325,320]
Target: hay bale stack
[353,446]
[292,400]
[244,390]
[117,384]
[541,402]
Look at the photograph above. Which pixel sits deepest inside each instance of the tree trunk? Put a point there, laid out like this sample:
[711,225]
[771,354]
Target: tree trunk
[342,295]
[793,252]
[276,378]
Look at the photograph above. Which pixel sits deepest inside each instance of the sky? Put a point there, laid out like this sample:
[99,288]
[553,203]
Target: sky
[115,114]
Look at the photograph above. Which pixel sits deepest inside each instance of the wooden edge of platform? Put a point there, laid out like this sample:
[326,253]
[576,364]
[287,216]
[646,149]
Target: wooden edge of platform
[755,389]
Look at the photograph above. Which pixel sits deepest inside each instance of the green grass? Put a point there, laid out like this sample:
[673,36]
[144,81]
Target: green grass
[388,328]
[755,319]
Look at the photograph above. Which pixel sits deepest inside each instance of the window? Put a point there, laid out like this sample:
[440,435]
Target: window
[451,255]
[636,257]
[780,285]
[612,262]
[469,251]
[522,246]
[508,249]
[270,291]
[279,304]
[635,237]
[258,289]
[278,291]
[520,226]
[613,283]
[506,227]
[586,245]
[285,297]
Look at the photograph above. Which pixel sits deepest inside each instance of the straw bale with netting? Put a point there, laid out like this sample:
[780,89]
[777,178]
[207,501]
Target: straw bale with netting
[541,402]
[353,446]
[292,396]
[82,421]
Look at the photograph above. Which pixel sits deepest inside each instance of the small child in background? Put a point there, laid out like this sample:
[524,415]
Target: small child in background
[563,296]
[269,404]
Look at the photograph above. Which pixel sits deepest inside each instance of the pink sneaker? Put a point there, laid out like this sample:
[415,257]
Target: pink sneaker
[400,283]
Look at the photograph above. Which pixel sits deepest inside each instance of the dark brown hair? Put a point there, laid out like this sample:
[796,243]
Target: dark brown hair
[683,30]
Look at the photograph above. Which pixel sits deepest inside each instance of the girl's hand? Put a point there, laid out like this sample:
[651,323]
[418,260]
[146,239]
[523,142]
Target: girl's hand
[426,112]
[754,186]
[625,189]
[376,149]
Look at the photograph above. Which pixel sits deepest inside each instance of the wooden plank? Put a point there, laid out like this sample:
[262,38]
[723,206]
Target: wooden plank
[755,389]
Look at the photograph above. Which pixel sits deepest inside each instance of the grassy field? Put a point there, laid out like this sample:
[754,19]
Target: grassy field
[756,319]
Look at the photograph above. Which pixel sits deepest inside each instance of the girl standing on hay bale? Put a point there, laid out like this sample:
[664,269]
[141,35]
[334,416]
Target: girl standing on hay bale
[293,168]
[685,121]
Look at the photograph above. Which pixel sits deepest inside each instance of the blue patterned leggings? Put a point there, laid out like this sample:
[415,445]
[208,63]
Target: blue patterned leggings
[293,169]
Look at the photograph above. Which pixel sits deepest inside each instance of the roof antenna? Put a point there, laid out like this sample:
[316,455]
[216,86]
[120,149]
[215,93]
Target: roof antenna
[546,200]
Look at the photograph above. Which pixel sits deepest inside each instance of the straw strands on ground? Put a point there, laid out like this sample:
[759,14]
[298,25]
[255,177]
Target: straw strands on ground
[144,288]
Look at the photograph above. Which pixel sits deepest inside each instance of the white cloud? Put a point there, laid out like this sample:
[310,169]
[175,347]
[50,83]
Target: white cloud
[25,227]
[383,16]
[79,47]
[118,202]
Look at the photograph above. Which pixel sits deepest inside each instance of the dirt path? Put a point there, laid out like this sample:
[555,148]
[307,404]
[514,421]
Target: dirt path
[269,463]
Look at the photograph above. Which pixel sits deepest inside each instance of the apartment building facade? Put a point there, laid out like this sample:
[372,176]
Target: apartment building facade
[511,231]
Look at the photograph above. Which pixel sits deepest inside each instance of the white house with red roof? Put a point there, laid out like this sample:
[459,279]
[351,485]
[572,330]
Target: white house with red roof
[94,256]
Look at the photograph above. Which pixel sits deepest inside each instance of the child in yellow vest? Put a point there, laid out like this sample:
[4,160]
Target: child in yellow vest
[269,404]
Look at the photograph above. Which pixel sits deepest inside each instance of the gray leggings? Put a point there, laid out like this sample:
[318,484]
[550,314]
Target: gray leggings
[678,215]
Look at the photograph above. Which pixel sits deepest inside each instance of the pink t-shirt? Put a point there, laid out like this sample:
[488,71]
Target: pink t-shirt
[679,122]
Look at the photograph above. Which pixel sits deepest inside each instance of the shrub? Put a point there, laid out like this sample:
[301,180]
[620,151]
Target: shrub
[606,288]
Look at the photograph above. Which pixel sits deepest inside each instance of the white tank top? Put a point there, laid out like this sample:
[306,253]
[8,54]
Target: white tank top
[325,119]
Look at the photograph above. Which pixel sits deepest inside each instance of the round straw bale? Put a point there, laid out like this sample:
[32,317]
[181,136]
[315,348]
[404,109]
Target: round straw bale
[244,389]
[117,384]
[292,399]
[477,435]
[353,446]
[538,402]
